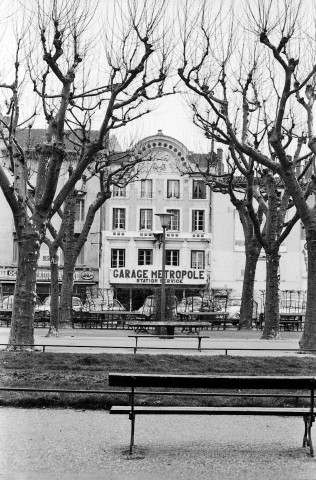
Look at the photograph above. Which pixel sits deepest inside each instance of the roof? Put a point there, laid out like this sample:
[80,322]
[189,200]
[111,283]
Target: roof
[30,137]
[206,160]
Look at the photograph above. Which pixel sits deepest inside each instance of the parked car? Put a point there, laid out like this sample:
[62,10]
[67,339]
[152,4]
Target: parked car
[103,304]
[77,305]
[194,304]
[7,302]
[200,304]
[148,306]
[233,309]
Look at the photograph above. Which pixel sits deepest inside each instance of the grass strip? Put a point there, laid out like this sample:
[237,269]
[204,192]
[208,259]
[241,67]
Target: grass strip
[78,371]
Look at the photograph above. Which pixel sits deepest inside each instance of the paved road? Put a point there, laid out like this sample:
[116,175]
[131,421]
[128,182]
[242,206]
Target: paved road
[79,445]
[118,341]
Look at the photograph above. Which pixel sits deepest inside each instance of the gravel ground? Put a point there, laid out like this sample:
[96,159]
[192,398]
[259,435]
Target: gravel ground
[79,445]
[118,341]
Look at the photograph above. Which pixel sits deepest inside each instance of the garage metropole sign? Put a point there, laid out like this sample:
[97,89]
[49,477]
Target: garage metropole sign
[154,276]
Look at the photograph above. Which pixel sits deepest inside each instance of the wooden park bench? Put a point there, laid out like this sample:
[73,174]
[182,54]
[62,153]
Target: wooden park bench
[291,321]
[182,384]
[197,337]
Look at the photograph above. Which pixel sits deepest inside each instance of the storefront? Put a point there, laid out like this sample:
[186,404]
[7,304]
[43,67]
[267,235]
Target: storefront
[84,279]
[132,286]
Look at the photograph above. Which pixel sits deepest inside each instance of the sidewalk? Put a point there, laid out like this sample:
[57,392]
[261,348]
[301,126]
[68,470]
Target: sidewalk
[120,341]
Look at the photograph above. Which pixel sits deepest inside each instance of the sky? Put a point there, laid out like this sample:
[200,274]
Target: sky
[173,117]
[170,114]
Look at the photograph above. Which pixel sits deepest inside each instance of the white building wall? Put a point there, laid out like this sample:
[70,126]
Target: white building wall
[224,259]
[165,164]
[228,258]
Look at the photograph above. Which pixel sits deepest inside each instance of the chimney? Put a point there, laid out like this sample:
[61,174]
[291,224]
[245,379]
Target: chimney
[220,164]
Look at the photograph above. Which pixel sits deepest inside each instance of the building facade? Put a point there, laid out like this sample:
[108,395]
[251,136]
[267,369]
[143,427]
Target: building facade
[123,254]
[132,235]
[87,268]
[204,244]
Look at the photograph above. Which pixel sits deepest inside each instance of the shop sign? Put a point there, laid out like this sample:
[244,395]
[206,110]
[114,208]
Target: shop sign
[8,274]
[173,276]
[45,275]
[87,275]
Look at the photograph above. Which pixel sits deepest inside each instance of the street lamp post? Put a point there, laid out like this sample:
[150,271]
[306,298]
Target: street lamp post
[165,222]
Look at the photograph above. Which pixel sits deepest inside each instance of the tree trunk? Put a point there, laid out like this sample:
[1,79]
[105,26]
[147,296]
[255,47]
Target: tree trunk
[66,313]
[54,300]
[271,327]
[308,340]
[246,308]
[22,323]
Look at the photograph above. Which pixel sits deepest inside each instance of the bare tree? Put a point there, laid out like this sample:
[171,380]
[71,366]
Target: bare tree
[263,226]
[137,64]
[110,169]
[254,81]
[239,188]
[240,191]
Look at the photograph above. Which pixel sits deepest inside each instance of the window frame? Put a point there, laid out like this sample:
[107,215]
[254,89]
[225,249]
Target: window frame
[15,250]
[118,262]
[81,257]
[198,193]
[197,261]
[117,220]
[172,257]
[147,259]
[196,220]
[173,188]
[80,210]
[175,218]
[119,192]
[146,188]
[148,219]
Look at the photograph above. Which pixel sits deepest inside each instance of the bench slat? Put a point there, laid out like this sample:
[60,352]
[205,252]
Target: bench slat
[153,410]
[203,381]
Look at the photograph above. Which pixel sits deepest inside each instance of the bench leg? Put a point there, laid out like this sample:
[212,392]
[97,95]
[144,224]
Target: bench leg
[307,439]
[132,419]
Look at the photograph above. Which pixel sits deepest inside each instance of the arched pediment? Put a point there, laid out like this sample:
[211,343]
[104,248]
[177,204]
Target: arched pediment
[166,153]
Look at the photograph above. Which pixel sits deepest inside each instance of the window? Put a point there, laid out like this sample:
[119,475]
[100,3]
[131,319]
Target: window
[172,257]
[145,257]
[175,220]
[199,189]
[173,189]
[79,210]
[117,258]
[197,259]
[60,256]
[119,191]
[118,218]
[80,258]
[15,249]
[198,220]
[146,219]
[146,189]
